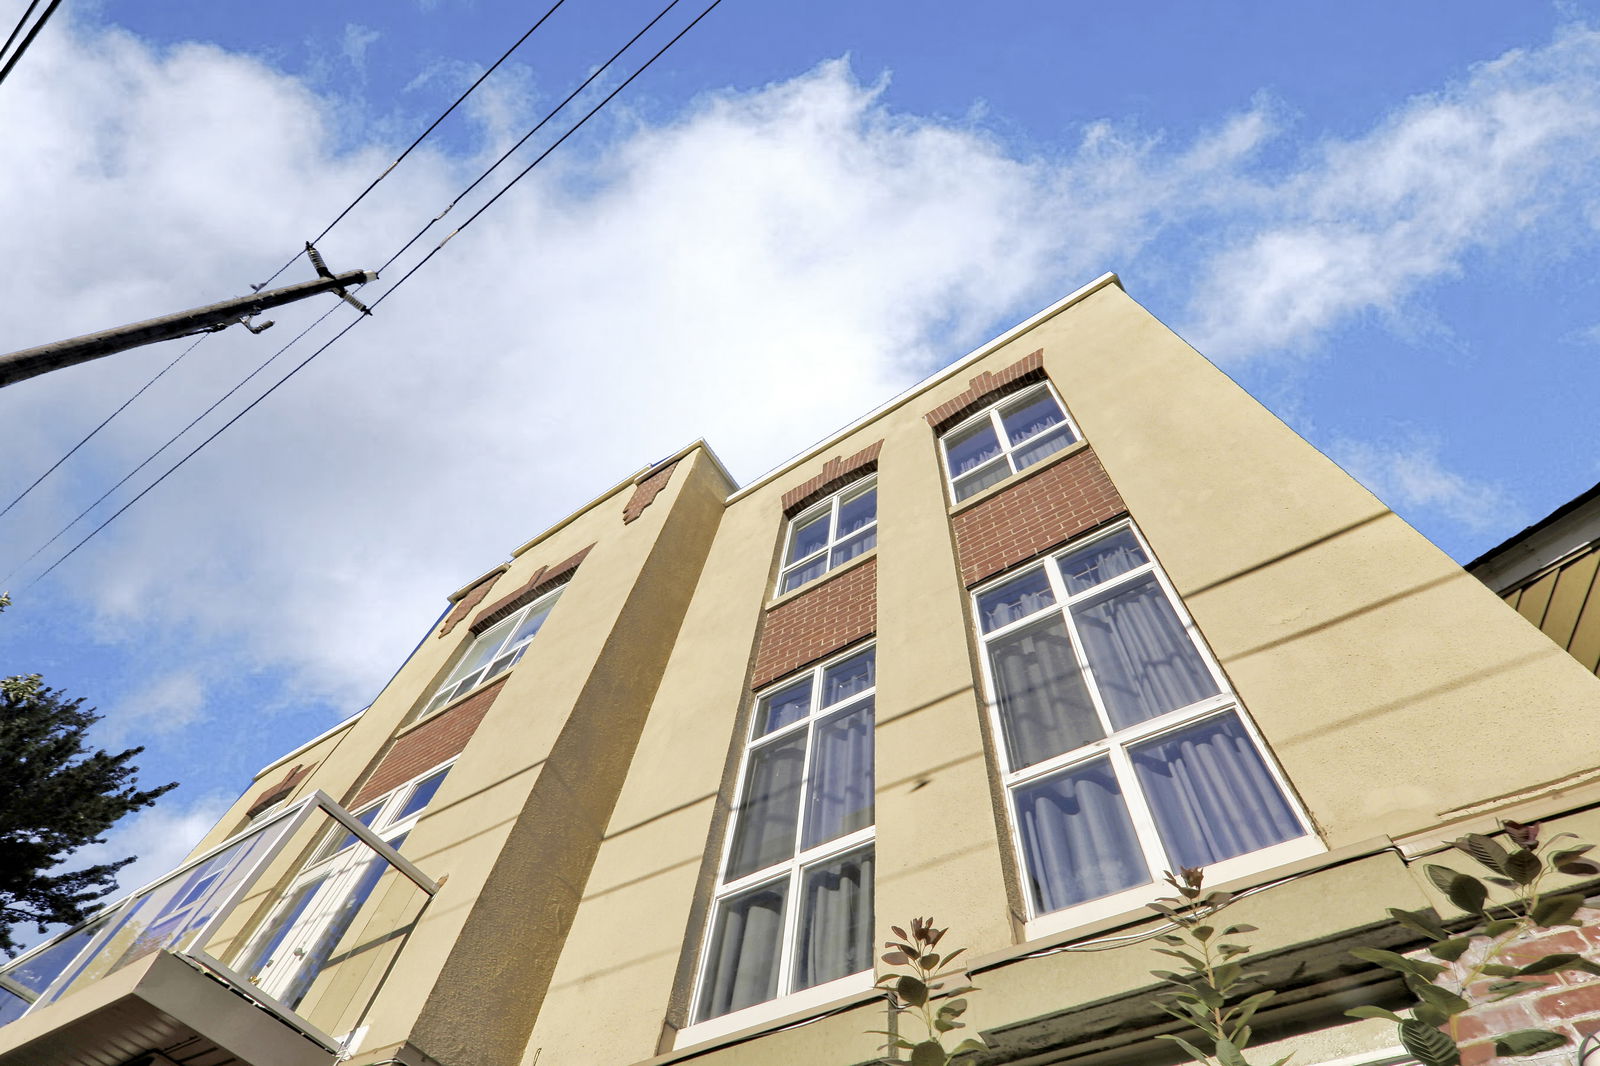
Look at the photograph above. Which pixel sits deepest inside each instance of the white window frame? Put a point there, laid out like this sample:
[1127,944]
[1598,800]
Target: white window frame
[786,1000]
[1117,743]
[829,506]
[991,414]
[505,656]
[333,871]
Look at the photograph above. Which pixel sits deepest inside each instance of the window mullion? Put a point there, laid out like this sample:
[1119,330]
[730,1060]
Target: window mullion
[1144,822]
[1090,685]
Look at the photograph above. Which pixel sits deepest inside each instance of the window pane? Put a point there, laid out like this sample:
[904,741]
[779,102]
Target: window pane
[482,651]
[979,480]
[1044,706]
[971,447]
[421,796]
[845,679]
[770,812]
[366,818]
[1143,662]
[809,538]
[782,707]
[835,920]
[316,956]
[271,937]
[1211,793]
[800,575]
[839,796]
[531,624]
[1031,418]
[742,961]
[1015,599]
[1077,839]
[1040,447]
[855,546]
[857,512]
[1101,561]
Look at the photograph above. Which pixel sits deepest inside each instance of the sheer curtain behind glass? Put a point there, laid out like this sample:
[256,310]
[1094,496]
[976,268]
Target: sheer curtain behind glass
[1078,841]
[836,922]
[1144,663]
[1044,706]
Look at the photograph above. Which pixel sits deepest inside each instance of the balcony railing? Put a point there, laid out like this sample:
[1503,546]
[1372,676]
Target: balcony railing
[302,913]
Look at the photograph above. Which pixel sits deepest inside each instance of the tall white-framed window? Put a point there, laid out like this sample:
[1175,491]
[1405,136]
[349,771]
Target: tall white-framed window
[830,533]
[494,651]
[1008,435]
[1123,751]
[792,918]
[298,940]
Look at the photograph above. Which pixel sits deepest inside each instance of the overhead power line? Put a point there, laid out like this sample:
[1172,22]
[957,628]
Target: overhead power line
[392,289]
[26,41]
[326,230]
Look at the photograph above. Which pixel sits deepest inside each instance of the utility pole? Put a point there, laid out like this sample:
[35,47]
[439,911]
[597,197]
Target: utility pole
[30,362]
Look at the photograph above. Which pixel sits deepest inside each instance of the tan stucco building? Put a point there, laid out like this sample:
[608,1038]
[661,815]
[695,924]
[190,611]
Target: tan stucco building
[1074,611]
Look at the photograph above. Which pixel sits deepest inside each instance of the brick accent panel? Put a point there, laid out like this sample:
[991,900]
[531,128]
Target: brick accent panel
[275,793]
[543,580]
[802,630]
[646,491]
[470,599]
[1034,516]
[428,745]
[1569,1003]
[835,473]
[986,388]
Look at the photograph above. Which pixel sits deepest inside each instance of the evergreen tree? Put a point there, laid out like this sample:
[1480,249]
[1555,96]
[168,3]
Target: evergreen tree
[55,796]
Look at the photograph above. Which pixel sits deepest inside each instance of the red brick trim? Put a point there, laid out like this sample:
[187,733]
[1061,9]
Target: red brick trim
[836,472]
[986,388]
[438,738]
[279,792]
[469,599]
[1069,497]
[838,612]
[543,580]
[646,491]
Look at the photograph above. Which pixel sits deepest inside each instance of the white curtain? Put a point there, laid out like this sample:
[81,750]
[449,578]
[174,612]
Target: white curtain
[839,798]
[1211,793]
[1077,839]
[836,921]
[770,812]
[1143,662]
[743,964]
[1044,705]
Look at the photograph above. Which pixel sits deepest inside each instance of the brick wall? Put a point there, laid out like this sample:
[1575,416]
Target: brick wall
[836,473]
[645,493]
[428,745]
[986,388]
[543,580]
[1033,516]
[1569,1003]
[280,791]
[802,630]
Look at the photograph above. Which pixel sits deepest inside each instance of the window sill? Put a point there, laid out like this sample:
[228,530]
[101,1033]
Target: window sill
[777,1013]
[817,582]
[1015,479]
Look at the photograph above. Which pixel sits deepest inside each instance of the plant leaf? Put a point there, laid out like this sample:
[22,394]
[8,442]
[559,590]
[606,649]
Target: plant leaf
[1193,1052]
[1496,969]
[1441,876]
[1389,960]
[1499,926]
[1556,910]
[954,1009]
[1485,851]
[1426,922]
[1235,930]
[1428,1014]
[1468,893]
[970,1044]
[928,1053]
[1428,1045]
[1202,933]
[1372,1012]
[912,992]
[1522,866]
[1442,998]
[1450,950]
[1528,1042]
[896,958]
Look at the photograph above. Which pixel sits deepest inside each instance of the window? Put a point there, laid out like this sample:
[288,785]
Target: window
[794,910]
[830,534]
[1005,437]
[299,938]
[1123,751]
[496,650]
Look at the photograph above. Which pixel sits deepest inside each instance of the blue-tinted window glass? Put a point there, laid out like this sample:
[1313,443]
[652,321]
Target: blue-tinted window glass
[971,447]
[1040,447]
[811,537]
[979,480]
[1103,560]
[784,706]
[769,813]
[856,545]
[839,795]
[1077,839]
[853,514]
[742,960]
[835,920]
[1045,708]
[1143,662]
[843,680]
[795,578]
[1032,418]
[1015,599]
[421,796]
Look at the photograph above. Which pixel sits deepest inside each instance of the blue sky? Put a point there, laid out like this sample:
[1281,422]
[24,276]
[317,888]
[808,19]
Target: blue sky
[1379,218]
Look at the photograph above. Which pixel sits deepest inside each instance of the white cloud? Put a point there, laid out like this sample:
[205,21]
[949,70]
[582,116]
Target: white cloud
[1408,476]
[1365,223]
[357,39]
[165,704]
[156,838]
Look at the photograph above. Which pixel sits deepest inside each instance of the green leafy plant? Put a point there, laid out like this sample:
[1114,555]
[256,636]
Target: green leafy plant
[1205,993]
[915,991]
[1445,989]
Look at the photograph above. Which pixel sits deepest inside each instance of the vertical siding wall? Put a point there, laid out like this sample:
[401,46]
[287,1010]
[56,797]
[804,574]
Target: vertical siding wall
[1565,604]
